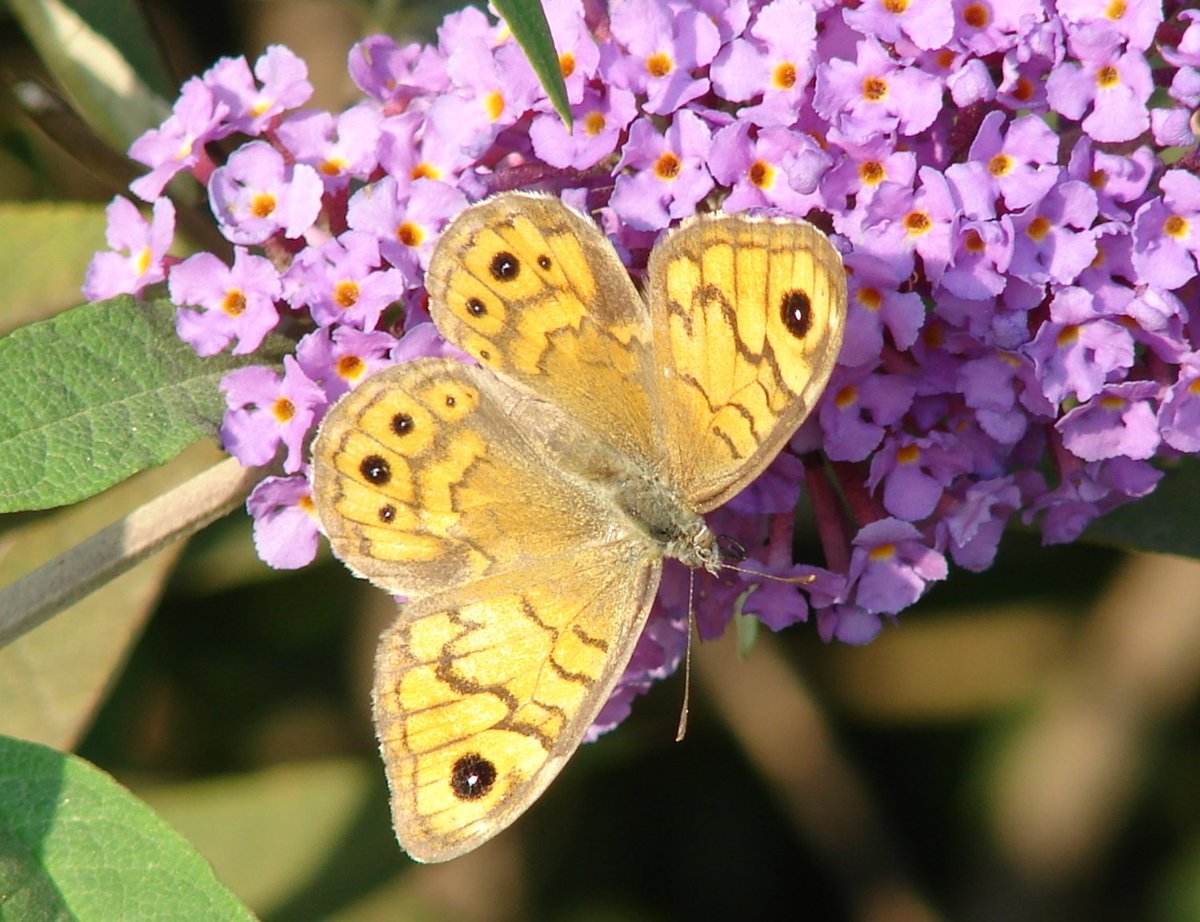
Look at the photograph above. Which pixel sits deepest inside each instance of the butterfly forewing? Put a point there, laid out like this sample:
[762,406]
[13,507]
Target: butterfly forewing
[748,321]
[536,293]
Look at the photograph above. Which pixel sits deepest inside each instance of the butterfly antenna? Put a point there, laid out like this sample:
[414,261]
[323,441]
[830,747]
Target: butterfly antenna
[730,549]
[794,580]
[687,660]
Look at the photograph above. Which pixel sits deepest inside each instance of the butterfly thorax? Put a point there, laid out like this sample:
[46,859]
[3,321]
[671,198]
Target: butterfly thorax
[659,513]
[654,509]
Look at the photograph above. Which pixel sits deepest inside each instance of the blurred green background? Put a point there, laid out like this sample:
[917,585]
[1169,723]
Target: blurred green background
[1024,744]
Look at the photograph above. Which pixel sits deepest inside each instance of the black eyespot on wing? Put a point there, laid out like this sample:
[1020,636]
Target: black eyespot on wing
[472,776]
[795,309]
[476,308]
[505,267]
[387,514]
[544,262]
[402,424]
[375,470]
[451,400]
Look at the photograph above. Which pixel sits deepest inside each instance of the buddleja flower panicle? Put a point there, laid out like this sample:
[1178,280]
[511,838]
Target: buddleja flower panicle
[1021,245]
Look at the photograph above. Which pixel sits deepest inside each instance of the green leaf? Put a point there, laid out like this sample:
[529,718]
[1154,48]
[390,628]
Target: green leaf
[745,626]
[1163,522]
[123,24]
[74,844]
[105,89]
[98,393]
[527,22]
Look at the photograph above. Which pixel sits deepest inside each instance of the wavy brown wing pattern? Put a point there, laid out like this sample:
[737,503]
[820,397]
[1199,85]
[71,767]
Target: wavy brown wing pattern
[535,292]
[748,322]
[424,479]
[482,693]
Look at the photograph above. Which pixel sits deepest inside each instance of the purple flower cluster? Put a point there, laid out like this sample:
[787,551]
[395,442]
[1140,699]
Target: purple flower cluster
[1020,228]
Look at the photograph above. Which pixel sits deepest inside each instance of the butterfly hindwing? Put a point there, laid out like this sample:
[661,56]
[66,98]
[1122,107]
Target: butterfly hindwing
[484,691]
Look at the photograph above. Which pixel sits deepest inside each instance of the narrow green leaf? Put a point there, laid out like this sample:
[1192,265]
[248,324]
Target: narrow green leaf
[74,844]
[745,626]
[527,22]
[1163,522]
[123,23]
[106,91]
[98,393]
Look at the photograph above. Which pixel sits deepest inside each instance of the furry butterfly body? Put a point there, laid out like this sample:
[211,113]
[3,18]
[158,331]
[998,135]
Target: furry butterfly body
[523,506]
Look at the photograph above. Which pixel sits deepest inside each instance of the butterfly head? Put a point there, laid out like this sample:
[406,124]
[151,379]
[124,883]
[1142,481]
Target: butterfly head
[698,547]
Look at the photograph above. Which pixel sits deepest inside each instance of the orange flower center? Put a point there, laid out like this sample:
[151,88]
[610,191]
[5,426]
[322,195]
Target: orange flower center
[566,63]
[659,64]
[883,552]
[974,243]
[262,205]
[349,367]
[1000,165]
[667,166]
[411,235]
[785,75]
[425,171]
[917,223]
[976,15]
[283,410]
[1107,77]
[1038,228]
[870,298]
[234,303]
[875,89]
[872,173]
[1175,226]
[593,124]
[762,174]
[494,104]
[848,394]
[345,294]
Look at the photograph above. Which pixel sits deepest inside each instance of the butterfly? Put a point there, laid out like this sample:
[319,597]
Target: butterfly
[523,505]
